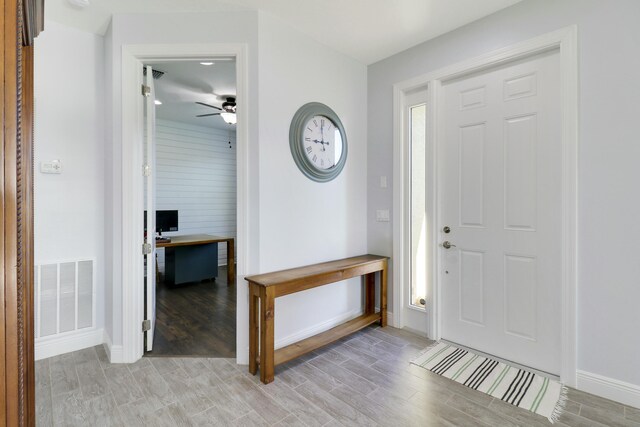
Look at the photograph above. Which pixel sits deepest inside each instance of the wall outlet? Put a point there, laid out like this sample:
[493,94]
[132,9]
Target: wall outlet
[382,215]
[51,166]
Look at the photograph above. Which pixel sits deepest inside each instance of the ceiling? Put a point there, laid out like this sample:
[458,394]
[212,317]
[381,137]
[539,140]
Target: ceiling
[367,30]
[187,82]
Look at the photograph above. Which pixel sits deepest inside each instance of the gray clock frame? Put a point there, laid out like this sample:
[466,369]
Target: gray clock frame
[296,130]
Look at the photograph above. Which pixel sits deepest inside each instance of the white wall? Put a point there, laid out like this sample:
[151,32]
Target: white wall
[196,175]
[69,126]
[609,234]
[303,222]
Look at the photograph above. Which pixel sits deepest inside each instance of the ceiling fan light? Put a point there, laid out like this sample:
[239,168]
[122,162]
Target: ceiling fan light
[229,118]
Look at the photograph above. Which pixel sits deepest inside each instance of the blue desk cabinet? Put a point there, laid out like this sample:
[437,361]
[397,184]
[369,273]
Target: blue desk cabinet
[194,258]
[193,263]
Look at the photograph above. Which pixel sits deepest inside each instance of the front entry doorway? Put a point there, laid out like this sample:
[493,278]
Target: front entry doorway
[500,211]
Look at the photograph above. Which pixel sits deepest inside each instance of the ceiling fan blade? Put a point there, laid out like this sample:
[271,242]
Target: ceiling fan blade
[210,106]
[207,115]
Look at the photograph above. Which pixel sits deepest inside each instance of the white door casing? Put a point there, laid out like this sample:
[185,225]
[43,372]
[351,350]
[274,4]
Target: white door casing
[149,171]
[132,205]
[565,41]
[500,155]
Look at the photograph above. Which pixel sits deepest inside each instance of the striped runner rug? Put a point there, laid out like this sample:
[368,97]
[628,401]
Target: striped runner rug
[518,387]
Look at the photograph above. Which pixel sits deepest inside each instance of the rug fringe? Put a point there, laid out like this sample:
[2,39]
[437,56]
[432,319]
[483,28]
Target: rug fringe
[560,406]
[429,347]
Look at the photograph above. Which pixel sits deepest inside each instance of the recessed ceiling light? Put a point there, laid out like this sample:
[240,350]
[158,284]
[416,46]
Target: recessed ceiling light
[79,3]
[158,102]
[206,63]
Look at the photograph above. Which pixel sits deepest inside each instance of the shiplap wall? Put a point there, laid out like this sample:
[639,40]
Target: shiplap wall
[196,175]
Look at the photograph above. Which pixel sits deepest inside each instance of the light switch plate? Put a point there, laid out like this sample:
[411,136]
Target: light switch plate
[51,166]
[382,215]
[383,181]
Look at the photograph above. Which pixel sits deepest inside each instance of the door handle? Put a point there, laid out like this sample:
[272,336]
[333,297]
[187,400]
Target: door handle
[447,245]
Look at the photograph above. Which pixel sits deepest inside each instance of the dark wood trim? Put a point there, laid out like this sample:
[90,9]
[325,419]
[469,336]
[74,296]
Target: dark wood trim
[26,232]
[21,22]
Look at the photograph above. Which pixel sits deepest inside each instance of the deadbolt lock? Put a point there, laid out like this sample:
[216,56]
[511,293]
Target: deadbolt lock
[446,229]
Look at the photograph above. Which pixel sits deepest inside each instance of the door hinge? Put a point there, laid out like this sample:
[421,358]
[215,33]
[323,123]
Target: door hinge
[146,325]
[146,248]
[146,90]
[146,170]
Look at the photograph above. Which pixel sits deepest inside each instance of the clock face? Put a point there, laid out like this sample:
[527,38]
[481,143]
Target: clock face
[318,142]
[322,142]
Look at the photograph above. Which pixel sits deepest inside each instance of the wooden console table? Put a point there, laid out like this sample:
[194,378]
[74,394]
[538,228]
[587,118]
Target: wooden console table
[206,239]
[265,288]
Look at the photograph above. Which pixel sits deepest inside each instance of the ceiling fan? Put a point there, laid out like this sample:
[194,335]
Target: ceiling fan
[227,112]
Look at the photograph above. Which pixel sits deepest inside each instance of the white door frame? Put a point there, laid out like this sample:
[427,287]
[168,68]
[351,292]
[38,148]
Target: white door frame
[132,177]
[565,41]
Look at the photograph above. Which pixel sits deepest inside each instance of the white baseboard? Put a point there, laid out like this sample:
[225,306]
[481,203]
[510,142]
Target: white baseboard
[114,352]
[316,329]
[67,342]
[620,391]
[311,331]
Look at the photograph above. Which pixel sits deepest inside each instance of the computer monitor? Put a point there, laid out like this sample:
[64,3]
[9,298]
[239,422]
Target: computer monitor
[165,221]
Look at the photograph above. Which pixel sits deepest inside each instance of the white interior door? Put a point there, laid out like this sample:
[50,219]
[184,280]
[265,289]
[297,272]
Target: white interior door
[414,315]
[500,195]
[150,280]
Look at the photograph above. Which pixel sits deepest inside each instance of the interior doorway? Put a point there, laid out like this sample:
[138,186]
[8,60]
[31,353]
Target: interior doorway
[190,207]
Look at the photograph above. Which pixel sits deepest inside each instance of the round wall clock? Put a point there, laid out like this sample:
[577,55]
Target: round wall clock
[318,142]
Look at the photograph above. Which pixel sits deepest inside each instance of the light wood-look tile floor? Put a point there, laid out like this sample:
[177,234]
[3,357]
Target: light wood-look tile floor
[363,380]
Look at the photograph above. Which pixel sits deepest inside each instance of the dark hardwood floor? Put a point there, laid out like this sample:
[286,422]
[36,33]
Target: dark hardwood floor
[196,319]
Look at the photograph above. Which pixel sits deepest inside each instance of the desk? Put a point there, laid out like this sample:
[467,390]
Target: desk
[265,288]
[200,243]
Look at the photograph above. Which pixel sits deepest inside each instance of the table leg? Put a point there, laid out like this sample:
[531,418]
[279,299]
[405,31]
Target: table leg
[253,328]
[231,263]
[383,294]
[267,314]
[370,293]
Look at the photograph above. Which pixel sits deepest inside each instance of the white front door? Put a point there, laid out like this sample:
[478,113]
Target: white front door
[149,154]
[500,161]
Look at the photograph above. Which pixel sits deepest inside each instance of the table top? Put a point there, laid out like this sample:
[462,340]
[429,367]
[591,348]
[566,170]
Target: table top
[192,239]
[294,274]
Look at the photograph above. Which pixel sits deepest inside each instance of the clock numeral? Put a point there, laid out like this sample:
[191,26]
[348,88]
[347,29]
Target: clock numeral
[321,162]
[310,130]
[329,126]
[322,122]
[307,139]
[309,150]
[315,122]
[315,158]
